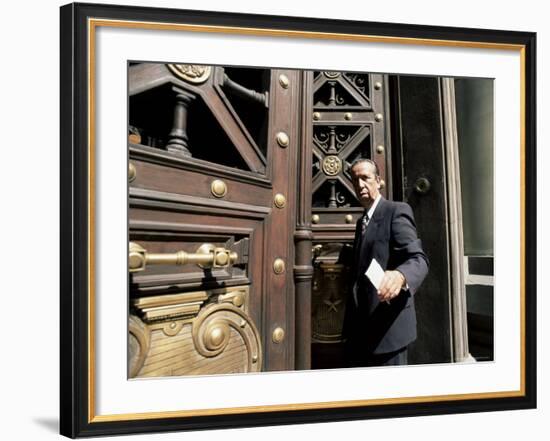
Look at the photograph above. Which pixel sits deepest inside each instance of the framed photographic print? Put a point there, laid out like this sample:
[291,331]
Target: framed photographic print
[272,220]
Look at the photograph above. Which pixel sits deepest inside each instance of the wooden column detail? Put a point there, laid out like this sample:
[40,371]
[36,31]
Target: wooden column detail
[303,237]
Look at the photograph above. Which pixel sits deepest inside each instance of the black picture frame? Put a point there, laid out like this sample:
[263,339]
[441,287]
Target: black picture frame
[76,412]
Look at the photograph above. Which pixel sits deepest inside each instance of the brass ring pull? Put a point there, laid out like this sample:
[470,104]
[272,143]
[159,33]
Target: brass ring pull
[207,256]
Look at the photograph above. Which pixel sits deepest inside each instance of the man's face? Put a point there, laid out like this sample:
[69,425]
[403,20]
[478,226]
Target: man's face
[365,183]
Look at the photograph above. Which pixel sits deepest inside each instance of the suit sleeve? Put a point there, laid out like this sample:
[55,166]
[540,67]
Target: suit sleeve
[410,259]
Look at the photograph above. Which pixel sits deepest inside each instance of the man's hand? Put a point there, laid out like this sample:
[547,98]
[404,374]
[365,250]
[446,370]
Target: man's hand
[391,285]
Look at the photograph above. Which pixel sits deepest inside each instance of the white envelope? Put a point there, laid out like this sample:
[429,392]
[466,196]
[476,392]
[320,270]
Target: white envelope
[375,273]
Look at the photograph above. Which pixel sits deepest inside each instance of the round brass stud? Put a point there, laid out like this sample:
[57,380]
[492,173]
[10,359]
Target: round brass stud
[315,219]
[238,300]
[254,359]
[218,188]
[380,149]
[283,81]
[132,173]
[348,116]
[316,116]
[378,85]
[349,218]
[173,325]
[378,117]
[279,266]
[278,335]
[134,138]
[279,200]
[216,336]
[283,139]
[243,324]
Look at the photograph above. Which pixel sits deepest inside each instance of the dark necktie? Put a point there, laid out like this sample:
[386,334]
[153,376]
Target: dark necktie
[364,223]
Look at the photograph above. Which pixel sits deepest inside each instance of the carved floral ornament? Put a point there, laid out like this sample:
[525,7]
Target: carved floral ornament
[192,73]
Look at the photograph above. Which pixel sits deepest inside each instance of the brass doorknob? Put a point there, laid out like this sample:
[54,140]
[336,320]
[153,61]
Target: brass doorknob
[206,256]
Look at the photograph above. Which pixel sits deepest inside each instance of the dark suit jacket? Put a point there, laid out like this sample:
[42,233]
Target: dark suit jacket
[372,326]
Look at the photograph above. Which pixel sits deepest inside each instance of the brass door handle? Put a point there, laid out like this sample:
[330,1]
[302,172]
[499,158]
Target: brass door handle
[206,256]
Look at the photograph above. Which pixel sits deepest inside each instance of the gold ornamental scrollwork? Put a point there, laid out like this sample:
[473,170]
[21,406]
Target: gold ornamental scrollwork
[220,326]
[139,343]
[332,165]
[192,73]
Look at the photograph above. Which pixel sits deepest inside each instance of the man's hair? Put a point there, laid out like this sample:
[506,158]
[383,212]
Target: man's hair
[360,160]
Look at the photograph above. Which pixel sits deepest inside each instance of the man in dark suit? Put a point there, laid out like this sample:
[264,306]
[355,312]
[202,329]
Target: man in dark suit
[381,323]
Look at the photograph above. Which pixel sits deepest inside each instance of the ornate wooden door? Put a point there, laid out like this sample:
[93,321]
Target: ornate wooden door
[212,172]
[349,121]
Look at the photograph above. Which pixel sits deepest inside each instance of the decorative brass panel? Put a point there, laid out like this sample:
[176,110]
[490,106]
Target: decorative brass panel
[328,302]
[195,333]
